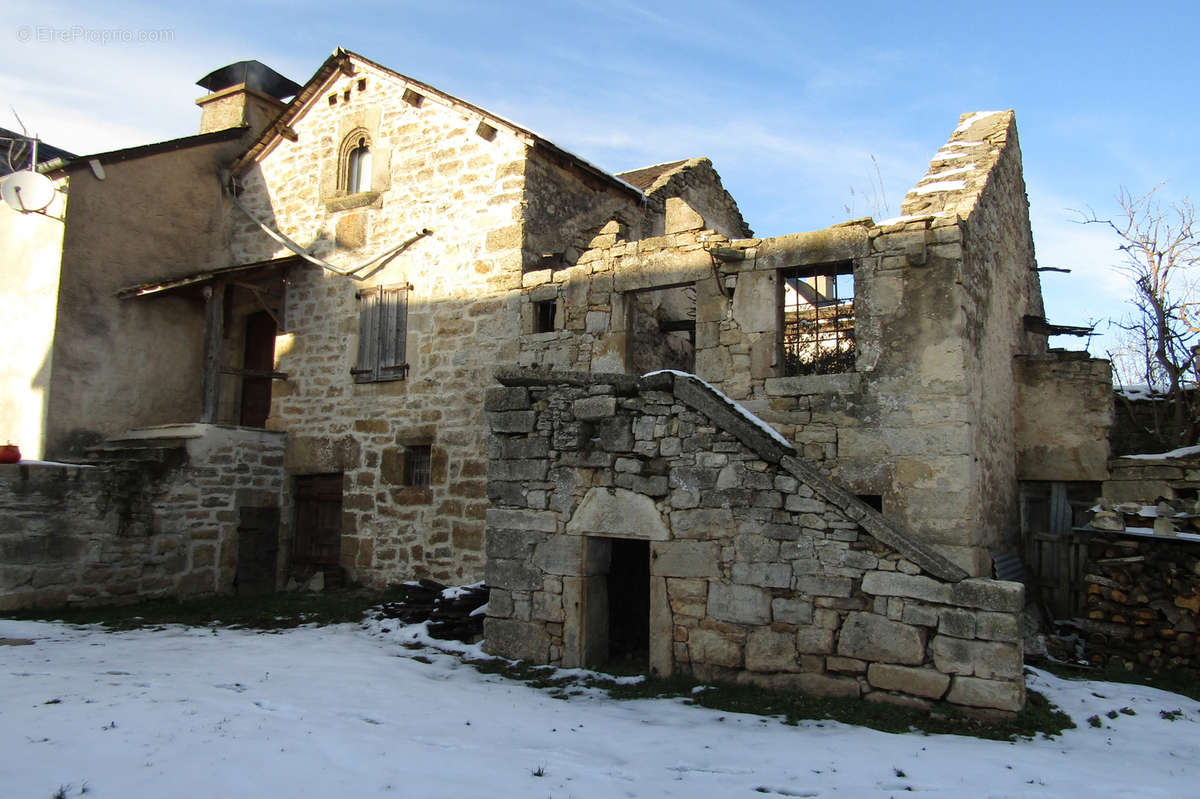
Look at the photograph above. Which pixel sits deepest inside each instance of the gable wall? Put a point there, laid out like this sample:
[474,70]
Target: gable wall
[432,171]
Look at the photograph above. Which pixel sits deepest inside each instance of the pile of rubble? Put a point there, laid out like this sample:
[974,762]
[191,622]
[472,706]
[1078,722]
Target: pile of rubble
[1166,518]
[454,614]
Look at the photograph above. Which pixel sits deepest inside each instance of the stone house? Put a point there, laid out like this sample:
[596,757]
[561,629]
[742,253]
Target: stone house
[312,299]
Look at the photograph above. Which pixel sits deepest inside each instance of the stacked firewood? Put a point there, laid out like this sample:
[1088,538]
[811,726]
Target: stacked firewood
[451,613]
[1143,601]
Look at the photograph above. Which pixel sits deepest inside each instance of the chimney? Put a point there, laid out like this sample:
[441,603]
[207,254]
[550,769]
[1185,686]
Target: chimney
[246,93]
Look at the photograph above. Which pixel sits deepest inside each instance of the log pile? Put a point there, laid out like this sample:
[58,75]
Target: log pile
[450,613]
[1143,601]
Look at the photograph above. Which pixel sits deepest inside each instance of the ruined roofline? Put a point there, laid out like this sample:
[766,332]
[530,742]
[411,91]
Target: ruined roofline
[343,61]
[959,171]
[758,437]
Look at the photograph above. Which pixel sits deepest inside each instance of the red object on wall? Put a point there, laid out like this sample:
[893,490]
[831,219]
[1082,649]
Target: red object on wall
[10,453]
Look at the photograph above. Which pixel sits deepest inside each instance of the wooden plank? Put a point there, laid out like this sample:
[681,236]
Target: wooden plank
[214,335]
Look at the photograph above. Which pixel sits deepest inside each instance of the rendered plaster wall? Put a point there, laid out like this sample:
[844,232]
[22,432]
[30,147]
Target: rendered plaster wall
[119,364]
[29,276]
[761,569]
[1064,414]
[162,522]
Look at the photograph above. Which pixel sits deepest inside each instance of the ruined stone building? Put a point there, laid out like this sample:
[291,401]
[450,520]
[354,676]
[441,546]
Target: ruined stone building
[377,333]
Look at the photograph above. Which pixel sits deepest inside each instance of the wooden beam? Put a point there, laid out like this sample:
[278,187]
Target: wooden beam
[214,336]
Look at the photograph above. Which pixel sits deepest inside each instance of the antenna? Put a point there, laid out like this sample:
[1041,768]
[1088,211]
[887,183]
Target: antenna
[28,191]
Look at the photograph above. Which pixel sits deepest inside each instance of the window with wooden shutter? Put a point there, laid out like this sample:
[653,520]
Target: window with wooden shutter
[382,324]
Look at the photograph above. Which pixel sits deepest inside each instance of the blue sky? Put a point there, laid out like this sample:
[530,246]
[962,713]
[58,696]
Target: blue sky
[812,112]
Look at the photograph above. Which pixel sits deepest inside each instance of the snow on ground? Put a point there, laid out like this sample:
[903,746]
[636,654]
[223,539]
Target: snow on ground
[342,711]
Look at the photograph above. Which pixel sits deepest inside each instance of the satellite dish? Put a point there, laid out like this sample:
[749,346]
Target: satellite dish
[27,191]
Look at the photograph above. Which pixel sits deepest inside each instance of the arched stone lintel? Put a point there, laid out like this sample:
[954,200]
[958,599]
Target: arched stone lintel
[620,513]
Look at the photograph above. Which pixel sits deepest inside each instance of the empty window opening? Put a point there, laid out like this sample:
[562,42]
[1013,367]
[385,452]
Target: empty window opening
[629,605]
[874,500]
[663,325]
[818,319]
[544,316]
[413,98]
[358,167]
[362,84]
[417,458]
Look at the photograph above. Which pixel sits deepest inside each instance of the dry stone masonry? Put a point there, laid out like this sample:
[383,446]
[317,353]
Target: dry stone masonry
[162,515]
[760,568]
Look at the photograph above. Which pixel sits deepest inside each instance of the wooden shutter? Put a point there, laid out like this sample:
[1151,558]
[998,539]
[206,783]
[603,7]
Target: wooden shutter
[382,328]
[393,329]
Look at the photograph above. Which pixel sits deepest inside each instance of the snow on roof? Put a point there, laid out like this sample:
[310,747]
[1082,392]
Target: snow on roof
[759,423]
[946,155]
[973,118]
[1182,452]
[958,170]
[896,220]
[939,185]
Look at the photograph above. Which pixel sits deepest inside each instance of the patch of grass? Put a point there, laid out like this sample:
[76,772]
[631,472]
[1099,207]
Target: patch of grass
[1185,682]
[1039,717]
[268,612]
[1171,715]
[1094,721]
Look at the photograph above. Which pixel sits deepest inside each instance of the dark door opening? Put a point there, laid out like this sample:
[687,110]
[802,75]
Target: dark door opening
[258,545]
[258,357]
[318,540]
[629,605]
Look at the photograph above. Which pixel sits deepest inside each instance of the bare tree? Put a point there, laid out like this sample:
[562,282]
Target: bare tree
[1160,248]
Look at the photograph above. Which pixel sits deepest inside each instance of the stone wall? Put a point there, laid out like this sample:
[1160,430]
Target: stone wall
[1064,414]
[158,518]
[762,569]
[927,419]
[438,165]
[1146,479]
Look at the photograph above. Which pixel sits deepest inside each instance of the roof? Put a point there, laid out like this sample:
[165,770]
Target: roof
[197,279]
[17,150]
[144,150]
[645,177]
[341,60]
[254,75]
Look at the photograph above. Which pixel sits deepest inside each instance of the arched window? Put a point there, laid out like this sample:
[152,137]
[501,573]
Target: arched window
[358,167]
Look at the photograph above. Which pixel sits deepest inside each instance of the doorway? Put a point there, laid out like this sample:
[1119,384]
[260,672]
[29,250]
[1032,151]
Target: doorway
[318,541]
[258,362]
[257,547]
[628,584]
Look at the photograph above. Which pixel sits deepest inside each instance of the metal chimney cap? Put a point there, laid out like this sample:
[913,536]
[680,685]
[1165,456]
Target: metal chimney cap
[255,74]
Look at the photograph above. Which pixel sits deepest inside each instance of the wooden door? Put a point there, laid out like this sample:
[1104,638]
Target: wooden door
[318,522]
[258,356]
[258,546]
